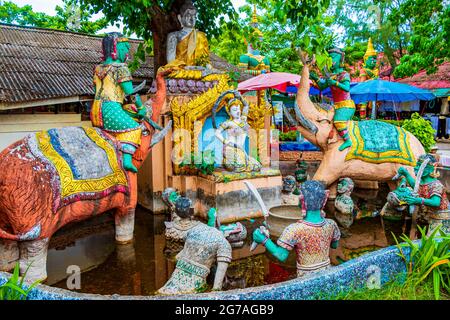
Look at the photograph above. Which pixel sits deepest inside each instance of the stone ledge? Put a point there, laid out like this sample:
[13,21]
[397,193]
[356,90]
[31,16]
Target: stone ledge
[352,274]
[301,155]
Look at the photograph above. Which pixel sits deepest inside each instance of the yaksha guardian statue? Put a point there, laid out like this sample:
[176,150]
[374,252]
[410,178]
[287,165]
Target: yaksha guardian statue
[311,238]
[339,83]
[112,81]
[431,197]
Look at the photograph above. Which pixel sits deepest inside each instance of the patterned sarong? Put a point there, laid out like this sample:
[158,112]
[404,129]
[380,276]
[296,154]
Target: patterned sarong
[379,142]
[83,162]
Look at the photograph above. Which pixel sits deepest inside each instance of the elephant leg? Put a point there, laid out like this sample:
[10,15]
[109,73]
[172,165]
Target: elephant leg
[125,227]
[9,254]
[333,190]
[33,259]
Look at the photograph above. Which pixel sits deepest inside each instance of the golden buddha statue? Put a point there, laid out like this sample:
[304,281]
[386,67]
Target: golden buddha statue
[188,49]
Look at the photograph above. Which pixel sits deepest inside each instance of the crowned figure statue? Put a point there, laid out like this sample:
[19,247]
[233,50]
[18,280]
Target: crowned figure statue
[253,62]
[339,83]
[233,132]
[113,82]
[368,72]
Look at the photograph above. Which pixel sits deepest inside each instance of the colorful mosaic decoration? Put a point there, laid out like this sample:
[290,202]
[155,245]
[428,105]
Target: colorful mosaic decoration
[202,247]
[311,242]
[85,162]
[379,142]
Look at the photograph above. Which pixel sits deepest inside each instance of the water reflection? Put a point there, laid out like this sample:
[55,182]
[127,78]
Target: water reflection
[142,267]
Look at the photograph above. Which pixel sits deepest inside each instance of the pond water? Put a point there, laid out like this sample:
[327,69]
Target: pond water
[142,267]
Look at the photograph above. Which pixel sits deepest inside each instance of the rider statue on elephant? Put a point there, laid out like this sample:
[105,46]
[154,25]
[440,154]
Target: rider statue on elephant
[113,82]
[368,72]
[339,83]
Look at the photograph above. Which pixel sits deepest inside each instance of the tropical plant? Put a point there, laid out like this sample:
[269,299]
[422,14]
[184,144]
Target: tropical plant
[13,289]
[202,163]
[421,129]
[429,259]
[154,20]
[288,136]
[69,17]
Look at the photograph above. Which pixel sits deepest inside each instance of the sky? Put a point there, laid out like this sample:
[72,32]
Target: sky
[48,7]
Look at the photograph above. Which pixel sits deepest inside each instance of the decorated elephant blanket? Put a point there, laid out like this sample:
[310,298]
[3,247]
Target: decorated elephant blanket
[378,142]
[84,163]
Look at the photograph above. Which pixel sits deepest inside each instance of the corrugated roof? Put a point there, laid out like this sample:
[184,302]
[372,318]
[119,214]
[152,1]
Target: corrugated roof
[38,64]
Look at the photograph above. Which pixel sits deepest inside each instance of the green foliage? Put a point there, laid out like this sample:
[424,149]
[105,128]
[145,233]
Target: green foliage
[427,273]
[288,136]
[13,289]
[203,163]
[421,129]
[430,32]
[394,290]
[154,20]
[428,261]
[70,17]
[286,26]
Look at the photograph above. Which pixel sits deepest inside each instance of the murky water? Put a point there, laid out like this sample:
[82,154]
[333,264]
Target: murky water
[145,265]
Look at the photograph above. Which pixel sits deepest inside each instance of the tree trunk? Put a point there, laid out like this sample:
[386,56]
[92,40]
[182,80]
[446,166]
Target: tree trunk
[162,23]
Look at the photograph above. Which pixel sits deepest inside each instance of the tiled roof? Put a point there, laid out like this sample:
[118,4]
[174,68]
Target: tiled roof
[440,79]
[38,64]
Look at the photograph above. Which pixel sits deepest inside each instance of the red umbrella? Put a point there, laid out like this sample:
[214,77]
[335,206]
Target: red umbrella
[275,80]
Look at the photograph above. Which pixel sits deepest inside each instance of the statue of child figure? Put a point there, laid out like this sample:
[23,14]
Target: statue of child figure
[431,196]
[311,237]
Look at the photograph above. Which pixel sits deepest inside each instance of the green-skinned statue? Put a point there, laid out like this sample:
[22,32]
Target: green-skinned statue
[253,62]
[431,196]
[112,81]
[311,237]
[368,72]
[339,83]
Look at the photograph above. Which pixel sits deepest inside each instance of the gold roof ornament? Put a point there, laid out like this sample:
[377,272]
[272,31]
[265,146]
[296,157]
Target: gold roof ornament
[254,16]
[370,50]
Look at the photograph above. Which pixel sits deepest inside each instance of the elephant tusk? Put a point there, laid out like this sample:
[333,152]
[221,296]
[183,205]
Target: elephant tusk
[157,137]
[304,122]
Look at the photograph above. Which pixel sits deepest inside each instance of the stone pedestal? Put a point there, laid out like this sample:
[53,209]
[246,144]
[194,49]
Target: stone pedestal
[228,194]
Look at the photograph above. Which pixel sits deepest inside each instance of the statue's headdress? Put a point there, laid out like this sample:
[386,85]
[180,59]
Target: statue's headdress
[109,44]
[370,50]
[313,195]
[338,51]
[183,207]
[233,102]
[227,99]
[432,162]
[187,5]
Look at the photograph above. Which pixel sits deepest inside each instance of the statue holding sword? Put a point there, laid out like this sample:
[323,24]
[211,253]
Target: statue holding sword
[311,238]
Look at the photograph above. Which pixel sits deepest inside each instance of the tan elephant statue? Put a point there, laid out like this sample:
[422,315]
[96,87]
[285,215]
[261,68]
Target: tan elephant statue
[377,151]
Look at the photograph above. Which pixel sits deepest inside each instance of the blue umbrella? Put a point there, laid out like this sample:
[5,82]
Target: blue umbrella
[381,90]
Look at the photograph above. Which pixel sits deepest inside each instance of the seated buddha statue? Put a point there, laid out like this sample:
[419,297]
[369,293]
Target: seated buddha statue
[188,49]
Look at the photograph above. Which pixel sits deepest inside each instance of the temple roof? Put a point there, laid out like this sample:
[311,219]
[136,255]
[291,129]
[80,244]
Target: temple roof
[438,80]
[41,64]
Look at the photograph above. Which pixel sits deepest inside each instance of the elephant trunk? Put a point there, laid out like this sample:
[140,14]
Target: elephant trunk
[305,111]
